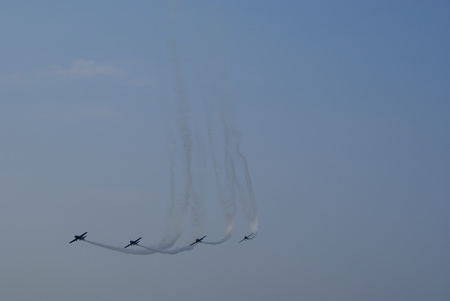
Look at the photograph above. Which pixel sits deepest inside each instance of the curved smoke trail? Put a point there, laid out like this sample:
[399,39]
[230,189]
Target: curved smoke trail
[238,173]
[222,170]
[119,249]
[169,252]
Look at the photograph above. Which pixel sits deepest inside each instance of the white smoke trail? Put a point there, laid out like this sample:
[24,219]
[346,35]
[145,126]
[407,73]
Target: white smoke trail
[237,165]
[119,249]
[251,211]
[169,252]
[228,234]
[180,183]
[246,193]
[199,184]
[145,250]
[221,169]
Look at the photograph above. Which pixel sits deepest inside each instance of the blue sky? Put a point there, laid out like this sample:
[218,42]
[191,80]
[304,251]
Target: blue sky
[342,108]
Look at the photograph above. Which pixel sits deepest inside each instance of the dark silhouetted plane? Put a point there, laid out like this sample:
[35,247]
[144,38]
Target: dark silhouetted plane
[246,237]
[79,237]
[197,241]
[133,242]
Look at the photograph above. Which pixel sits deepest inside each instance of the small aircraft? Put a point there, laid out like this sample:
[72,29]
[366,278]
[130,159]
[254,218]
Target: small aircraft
[133,242]
[79,237]
[197,241]
[246,237]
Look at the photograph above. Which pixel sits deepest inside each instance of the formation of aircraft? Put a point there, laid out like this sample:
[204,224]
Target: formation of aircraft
[246,237]
[133,242]
[197,241]
[79,237]
[136,242]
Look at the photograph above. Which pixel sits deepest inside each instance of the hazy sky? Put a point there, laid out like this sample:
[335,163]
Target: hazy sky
[343,110]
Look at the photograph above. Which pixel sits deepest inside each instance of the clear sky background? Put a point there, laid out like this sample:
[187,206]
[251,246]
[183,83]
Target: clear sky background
[343,110]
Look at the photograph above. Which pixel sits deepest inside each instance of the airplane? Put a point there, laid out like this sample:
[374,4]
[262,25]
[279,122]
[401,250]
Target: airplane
[79,237]
[246,237]
[133,242]
[197,241]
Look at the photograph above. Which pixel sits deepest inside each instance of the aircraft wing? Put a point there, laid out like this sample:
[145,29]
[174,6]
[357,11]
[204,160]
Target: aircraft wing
[82,235]
[137,240]
[73,241]
[248,236]
[202,238]
[241,240]
[127,246]
[193,243]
